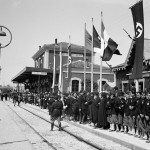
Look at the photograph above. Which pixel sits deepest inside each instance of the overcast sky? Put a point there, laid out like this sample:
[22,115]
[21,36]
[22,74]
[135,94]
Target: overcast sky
[39,22]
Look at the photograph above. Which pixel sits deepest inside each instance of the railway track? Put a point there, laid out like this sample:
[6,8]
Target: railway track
[73,141]
[78,139]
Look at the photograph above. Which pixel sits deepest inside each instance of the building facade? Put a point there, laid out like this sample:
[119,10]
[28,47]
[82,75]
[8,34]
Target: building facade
[123,71]
[40,77]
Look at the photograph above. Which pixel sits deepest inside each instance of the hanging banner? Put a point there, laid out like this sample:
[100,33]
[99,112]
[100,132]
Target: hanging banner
[138,20]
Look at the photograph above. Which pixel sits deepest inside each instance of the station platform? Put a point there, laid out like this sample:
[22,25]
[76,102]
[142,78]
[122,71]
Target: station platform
[11,137]
[126,140]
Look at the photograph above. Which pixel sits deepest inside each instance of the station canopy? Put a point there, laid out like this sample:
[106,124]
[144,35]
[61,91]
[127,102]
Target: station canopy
[31,73]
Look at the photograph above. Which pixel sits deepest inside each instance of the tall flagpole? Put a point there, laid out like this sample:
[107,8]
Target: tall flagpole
[68,64]
[54,67]
[92,60]
[61,71]
[101,65]
[84,59]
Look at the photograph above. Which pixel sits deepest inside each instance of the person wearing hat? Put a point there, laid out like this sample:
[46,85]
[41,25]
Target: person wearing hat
[126,113]
[56,110]
[147,117]
[49,103]
[142,126]
[132,104]
[82,107]
[102,117]
[113,118]
[94,109]
[119,107]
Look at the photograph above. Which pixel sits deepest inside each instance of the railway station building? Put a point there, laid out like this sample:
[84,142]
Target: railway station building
[123,71]
[40,77]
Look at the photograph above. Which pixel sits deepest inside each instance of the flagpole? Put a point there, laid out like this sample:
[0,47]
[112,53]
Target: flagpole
[60,70]
[84,60]
[54,67]
[61,73]
[101,65]
[92,60]
[68,64]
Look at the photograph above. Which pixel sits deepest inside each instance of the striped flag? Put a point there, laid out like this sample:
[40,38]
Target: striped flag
[88,40]
[96,39]
[109,45]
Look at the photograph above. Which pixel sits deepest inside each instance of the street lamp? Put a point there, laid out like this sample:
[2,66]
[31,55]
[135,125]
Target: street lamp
[2,33]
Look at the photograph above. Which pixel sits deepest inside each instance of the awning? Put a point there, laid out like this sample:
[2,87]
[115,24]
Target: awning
[31,73]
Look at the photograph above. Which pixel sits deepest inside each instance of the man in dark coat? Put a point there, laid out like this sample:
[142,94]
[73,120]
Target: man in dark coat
[126,113]
[82,107]
[132,104]
[57,108]
[50,102]
[41,99]
[102,117]
[119,106]
[94,108]
[75,108]
[15,98]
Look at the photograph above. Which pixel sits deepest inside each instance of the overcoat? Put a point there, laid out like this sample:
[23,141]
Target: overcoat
[102,116]
[94,110]
[57,108]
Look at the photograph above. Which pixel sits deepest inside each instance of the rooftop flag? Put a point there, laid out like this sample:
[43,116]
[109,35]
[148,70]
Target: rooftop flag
[109,45]
[138,20]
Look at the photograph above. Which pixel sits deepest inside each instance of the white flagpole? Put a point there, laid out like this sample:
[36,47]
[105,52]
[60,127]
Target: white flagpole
[68,65]
[54,68]
[92,60]
[101,65]
[60,70]
[84,59]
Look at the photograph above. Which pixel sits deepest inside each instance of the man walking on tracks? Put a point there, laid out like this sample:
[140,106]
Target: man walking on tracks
[56,109]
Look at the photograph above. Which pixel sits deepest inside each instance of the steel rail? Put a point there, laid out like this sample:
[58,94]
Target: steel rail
[68,132]
[44,139]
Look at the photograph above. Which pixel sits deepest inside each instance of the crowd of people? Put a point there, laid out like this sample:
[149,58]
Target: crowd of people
[117,111]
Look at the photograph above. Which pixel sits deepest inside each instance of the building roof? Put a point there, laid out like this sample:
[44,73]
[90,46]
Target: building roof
[79,64]
[28,72]
[130,56]
[74,48]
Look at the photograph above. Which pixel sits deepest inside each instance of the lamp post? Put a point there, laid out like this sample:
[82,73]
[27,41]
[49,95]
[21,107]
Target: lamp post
[2,33]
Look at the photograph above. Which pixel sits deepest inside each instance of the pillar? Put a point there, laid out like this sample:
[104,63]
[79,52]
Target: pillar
[137,85]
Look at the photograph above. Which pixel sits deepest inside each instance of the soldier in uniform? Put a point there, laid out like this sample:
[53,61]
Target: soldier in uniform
[147,117]
[119,106]
[113,118]
[132,104]
[126,114]
[56,110]
[137,112]
[49,103]
[142,117]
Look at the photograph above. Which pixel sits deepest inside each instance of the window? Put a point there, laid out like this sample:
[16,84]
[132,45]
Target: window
[75,85]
